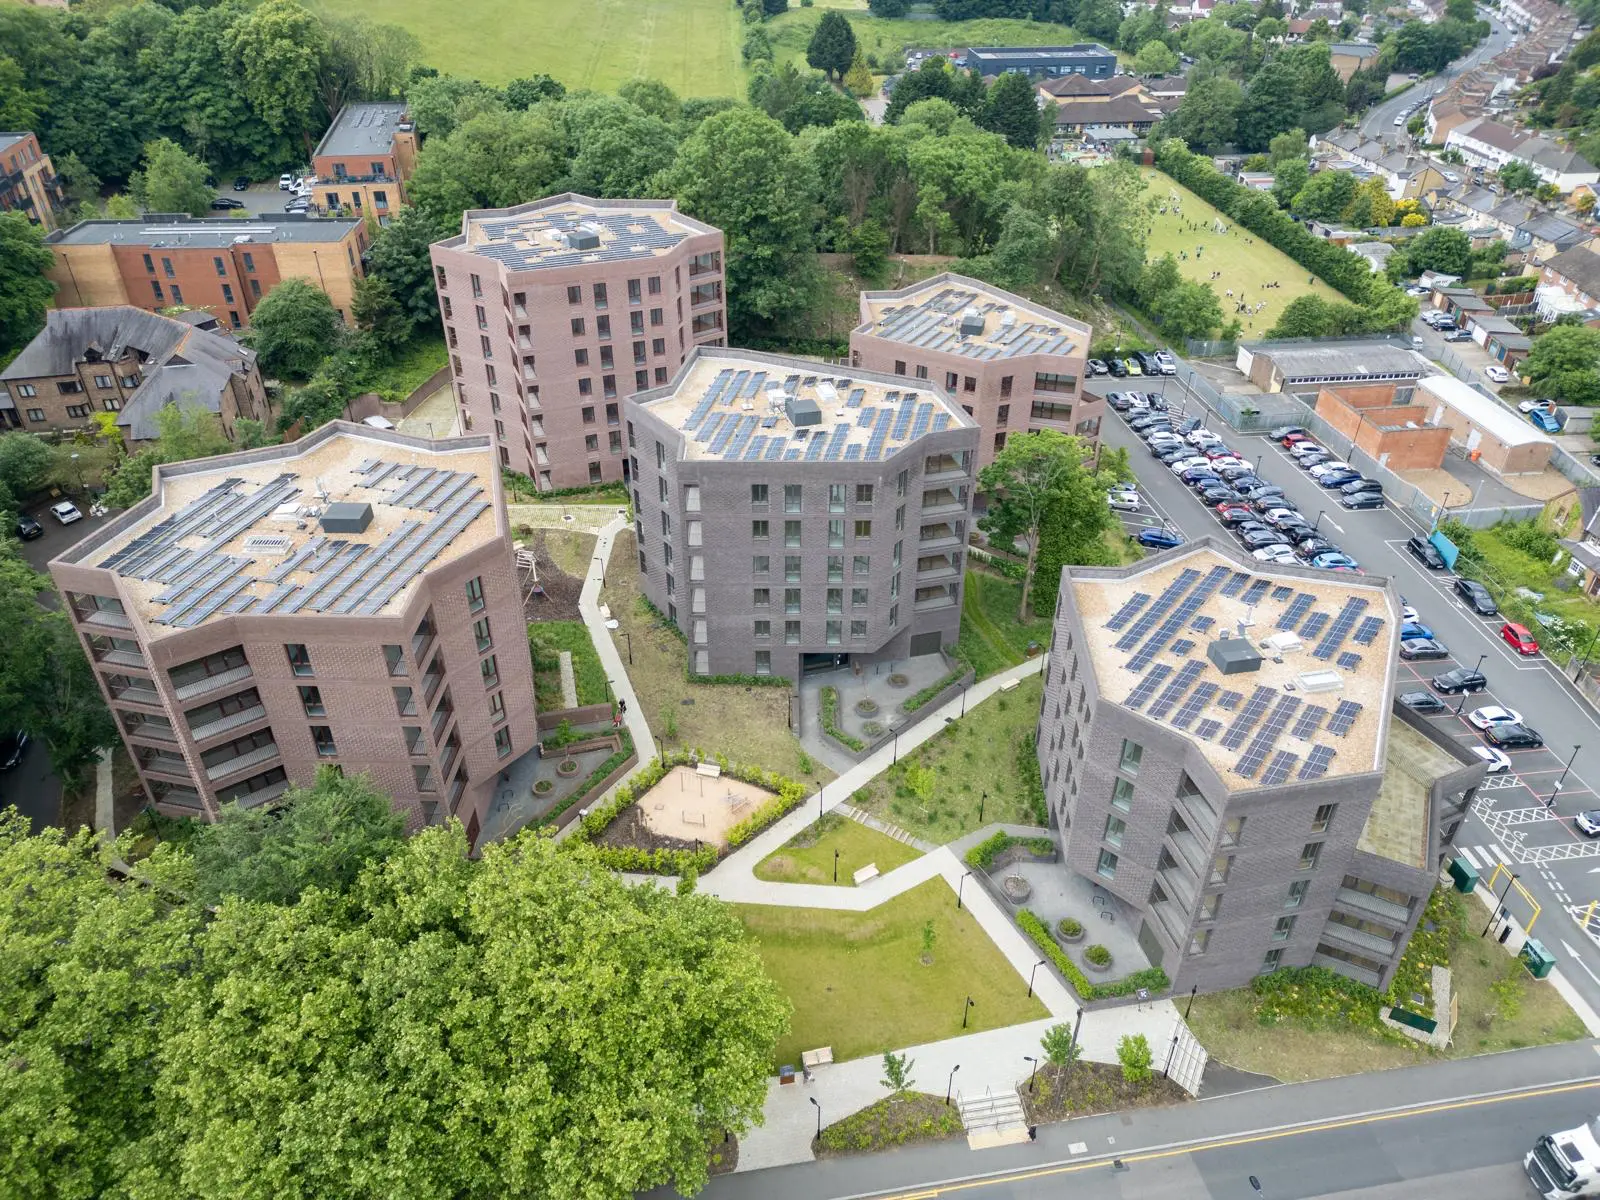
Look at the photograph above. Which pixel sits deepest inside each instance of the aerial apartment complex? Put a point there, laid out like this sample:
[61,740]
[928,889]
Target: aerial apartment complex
[28,180]
[363,161]
[556,310]
[1013,365]
[794,517]
[349,600]
[223,264]
[1222,754]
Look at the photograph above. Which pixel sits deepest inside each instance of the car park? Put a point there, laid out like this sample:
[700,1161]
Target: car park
[1278,556]
[1359,500]
[1512,735]
[1461,679]
[1519,638]
[1477,597]
[1497,374]
[1493,714]
[1157,539]
[1123,501]
[1588,822]
[1419,649]
[28,528]
[1425,552]
[1425,703]
[1495,761]
[12,746]
[66,512]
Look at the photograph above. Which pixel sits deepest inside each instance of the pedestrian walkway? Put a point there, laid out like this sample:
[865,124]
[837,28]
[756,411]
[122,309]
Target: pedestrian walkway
[569,681]
[105,809]
[883,827]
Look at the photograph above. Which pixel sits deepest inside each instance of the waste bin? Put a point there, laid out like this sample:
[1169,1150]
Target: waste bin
[1464,874]
[1536,958]
[786,1073]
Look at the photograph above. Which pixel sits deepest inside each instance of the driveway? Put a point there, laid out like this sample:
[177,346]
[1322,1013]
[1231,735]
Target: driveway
[262,198]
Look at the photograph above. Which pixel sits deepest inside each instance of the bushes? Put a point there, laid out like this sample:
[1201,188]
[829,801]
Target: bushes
[1098,955]
[1032,783]
[830,720]
[1069,927]
[546,641]
[1427,949]
[893,1121]
[1133,1052]
[982,855]
[1317,998]
[1153,978]
[596,776]
[932,690]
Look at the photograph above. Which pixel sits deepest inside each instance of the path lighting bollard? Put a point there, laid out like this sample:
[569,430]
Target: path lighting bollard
[949,1083]
[966,1008]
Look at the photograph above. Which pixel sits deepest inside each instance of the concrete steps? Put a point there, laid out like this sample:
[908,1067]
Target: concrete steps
[993,1113]
[884,827]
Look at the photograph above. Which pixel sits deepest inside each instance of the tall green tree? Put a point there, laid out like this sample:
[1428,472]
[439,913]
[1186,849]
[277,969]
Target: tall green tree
[377,312]
[25,289]
[1011,111]
[172,181]
[524,93]
[293,329]
[1325,196]
[184,432]
[833,45]
[1155,58]
[1564,365]
[399,256]
[492,160]
[276,51]
[1271,106]
[1208,116]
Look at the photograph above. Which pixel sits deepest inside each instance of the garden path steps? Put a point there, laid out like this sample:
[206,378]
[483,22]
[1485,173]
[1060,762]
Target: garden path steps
[883,827]
[994,1118]
[569,681]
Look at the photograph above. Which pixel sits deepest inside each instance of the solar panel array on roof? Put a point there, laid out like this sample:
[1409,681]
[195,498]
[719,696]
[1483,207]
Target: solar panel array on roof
[1125,614]
[934,324]
[1313,625]
[1182,646]
[1201,624]
[1368,630]
[1148,685]
[1300,606]
[1282,593]
[1258,589]
[1261,745]
[1343,717]
[1340,629]
[1207,729]
[1349,661]
[1180,616]
[1309,721]
[1279,768]
[1254,709]
[1235,584]
[1169,594]
[1192,707]
[1174,691]
[1229,700]
[1317,762]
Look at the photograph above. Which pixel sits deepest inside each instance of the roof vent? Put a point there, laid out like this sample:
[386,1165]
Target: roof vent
[1319,681]
[801,411]
[1233,656]
[1280,643]
[827,393]
[267,543]
[346,517]
[581,239]
[1007,319]
[971,323]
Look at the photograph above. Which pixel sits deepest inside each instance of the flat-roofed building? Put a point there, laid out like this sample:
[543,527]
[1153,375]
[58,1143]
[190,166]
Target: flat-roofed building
[1081,58]
[28,180]
[1488,432]
[1303,370]
[1011,364]
[556,310]
[364,159]
[795,517]
[225,265]
[1221,753]
[349,599]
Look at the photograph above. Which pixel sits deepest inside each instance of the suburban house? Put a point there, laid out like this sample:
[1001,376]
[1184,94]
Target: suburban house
[1349,57]
[1584,550]
[1491,145]
[1569,282]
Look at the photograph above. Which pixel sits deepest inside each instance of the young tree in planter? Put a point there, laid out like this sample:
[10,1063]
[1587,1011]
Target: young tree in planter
[897,1072]
[1060,1048]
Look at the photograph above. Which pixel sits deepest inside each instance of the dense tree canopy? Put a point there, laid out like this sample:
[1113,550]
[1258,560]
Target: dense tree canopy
[1564,365]
[24,289]
[293,329]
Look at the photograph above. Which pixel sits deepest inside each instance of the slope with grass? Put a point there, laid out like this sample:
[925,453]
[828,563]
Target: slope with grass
[991,638]
[808,856]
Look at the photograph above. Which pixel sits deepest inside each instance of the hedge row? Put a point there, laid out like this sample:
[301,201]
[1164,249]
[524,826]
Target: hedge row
[932,690]
[1153,978]
[830,721]
[1032,782]
[982,855]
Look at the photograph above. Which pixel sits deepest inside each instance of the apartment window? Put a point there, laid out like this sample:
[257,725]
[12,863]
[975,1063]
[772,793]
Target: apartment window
[177,294]
[600,295]
[475,594]
[394,657]
[591,443]
[861,564]
[1132,754]
[763,662]
[1115,828]
[835,568]
[574,294]
[580,357]
[1221,868]
[578,327]
[1005,385]
[155,287]
[660,376]
[858,597]
[311,701]
[863,529]
[968,383]
[858,630]
[1210,906]
[497,707]
[835,600]
[415,743]
[834,632]
[899,366]
[1297,893]
[791,533]
[602,327]
[299,660]
[791,568]
[255,289]
[666,520]
[405,701]
[1310,854]
[791,633]
[1002,414]
[607,359]
[1199,941]
[490,670]
[322,738]
[1323,818]
[836,495]
[760,564]
[758,495]
[36,414]
[1122,794]
[791,497]
[894,615]
[635,292]
[1232,832]
[836,533]
[149,264]
[863,493]
[791,600]
[758,529]
[481,634]
[763,630]
[761,597]
[950,381]
[78,411]
[922,371]
[166,266]
[1282,929]
[502,742]
[1106,868]
[1270,963]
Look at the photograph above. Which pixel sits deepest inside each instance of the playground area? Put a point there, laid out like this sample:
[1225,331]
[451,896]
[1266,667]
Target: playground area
[693,804]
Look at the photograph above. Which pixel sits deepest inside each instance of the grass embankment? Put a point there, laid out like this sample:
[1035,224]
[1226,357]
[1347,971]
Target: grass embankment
[808,856]
[991,638]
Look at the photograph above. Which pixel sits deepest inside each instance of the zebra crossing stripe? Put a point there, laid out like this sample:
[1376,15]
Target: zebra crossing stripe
[1466,853]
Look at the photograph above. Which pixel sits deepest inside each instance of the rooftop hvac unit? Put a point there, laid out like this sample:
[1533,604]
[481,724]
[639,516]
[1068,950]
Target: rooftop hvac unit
[1233,656]
[346,517]
[581,239]
[1007,319]
[971,323]
[1319,681]
[802,411]
[1280,643]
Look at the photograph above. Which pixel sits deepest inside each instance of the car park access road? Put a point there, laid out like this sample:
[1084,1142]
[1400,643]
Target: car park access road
[1512,822]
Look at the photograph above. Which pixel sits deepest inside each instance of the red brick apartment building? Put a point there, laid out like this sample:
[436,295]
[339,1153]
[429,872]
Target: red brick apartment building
[362,163]
[349,599]
[28,181]
[1012,364]
[558,309]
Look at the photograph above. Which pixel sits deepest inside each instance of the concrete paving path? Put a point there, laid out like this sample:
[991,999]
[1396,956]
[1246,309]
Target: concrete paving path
[569,681]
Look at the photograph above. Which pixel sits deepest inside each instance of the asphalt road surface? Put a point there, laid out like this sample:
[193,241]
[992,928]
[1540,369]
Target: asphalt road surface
[1379,121]
[1513,821]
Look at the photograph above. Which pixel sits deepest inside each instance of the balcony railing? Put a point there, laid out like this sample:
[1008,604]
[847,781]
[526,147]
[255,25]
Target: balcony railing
[103,618]
[1173,921]
[933,603]
[211,683]
[943,534]
[1348,969]
[1369,905]
[150,731]
[131,659]
[1370,943]
[132,693]
[943,500]
[440,720]
[936,566]
[251,758]
[257,798]
[1190,850]
[168,765]
[1179,886]
[227,724]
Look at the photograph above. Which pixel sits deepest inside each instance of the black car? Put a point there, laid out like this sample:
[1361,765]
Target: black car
[1425,553]
[1194,475]
[1314,546]
[1155,401]
[11,747]
[1096,367]
[1477,597]
[1296,531]
[1417,649]
[1114,365]
[1462,679]
[1261,493]
[1359,500]
[1283,431]
[226,202]
[1510,735]
[1243,484]
[1425,703]
[242,183]
[1219,494]
[1260,539]
[1177,454]
[1147,362]
[1234,515]
[1362,485]
[28,528]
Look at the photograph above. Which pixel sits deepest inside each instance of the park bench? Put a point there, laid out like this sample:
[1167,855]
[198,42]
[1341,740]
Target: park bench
[870,871]
[709,770]
[819,1057]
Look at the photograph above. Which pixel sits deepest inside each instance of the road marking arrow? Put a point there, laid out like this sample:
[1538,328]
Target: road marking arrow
[1573,954]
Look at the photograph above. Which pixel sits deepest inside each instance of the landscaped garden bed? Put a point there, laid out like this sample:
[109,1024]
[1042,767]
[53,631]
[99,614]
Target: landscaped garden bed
[904,1120]
[1152,979]
[1083,1088]
[1000,851]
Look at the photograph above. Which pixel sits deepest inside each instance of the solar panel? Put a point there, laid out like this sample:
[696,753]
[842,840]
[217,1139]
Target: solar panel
[1314,625]
[1258,589]
[1182,646]
[1158,610]
[1190,604]
[1174,691]
[1368,630]
[1254,709]
[1201,624]
[1349,661]
[1282,593]
[1147,685]
[1279,768]
[1300,606]
[1261,745]
[1126,613]
[1317,763]
[1229,700]
[1197,700]
[1341,627]
[1236,584]
[1343,717]
[856,397]
[1207,729]
[1309,721]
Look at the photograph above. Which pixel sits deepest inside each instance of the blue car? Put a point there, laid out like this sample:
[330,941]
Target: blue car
[1158,539]
[1414,629]
[1335,479]
[1331,560]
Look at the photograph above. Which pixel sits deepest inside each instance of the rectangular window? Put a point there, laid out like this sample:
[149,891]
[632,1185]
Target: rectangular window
[835,600]
[863,493]
[791,568]
[475,594]
[836,533]
[791,600]
[1269,964]
[311,701]
[835,568]
[1282,929]
[1323,818]
[861,564]
[758,494]
[858,630]
[599,295]
[405,701]
[580,357]
[299,660]
[791,533]
[763,630]
[1106,868]
[894,615]
[497,706]
[763,662]
[791,497]
[481,634]
[577,327]
[863,529]
[858,597]
[415,742]
[1132,753]
[322,738]
[758,529]
[791,633]
[1232,832]
[761,597]
[395,659]
[1310,855]
[1297,893]
[490,670]
[1122,794]
[834,632]
[502,742]
[177,294]
[227,293]
[760,564]
[1115,828]
[836,497]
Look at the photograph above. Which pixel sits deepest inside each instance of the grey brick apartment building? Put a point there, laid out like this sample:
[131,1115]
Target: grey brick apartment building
[1220,753]
[349,599]
[1012,364]
[796,517]
[557,309]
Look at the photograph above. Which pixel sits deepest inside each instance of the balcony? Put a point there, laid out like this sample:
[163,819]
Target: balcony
[177,797]
[1348,969]
[228,723]
[170,766]
[430,685]
[1367,943]
[102,618]
[930,599]
[241,762]
[147,730]
[457,787]
[211,683]
[257,798]
[132,691]
[709,322]
[938,566]
[441,718]
[939,501]
[1364,904]
[1179,886]
[942,466]
[705,264]
[940,535]
[1173,922]
[119,652]
[1189,849]
[1197,814]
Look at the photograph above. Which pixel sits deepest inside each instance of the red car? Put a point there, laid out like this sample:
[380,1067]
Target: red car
[1518,638]
[1296,437]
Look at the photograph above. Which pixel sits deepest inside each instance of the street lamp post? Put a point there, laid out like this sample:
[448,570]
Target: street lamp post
[818,1107]
[963,699]
[895,757]
[983,798]
[821,787]
[1032,973]
[836,866]
[1316,525]
[961,883]
[1034,1059]
[1556,791]
[1499,904]
[629,637]
[77,471]
[949,1083]
[965,1009]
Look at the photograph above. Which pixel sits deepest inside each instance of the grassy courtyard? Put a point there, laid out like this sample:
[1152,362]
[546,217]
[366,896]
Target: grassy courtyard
[981,752]
[808,856]
[1245,266]
[991,638]
[858,983]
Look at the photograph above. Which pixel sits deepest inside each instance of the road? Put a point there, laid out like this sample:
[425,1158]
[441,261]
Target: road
[1512,822]
[1379,121]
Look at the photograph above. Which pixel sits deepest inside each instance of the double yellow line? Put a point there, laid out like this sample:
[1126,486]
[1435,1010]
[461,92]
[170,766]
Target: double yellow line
[932,1191]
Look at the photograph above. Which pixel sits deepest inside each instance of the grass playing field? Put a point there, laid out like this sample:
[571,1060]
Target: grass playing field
[1245,265]
[690,45]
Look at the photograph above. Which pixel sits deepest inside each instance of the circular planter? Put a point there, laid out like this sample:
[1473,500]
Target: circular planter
[1100,967]
[874,729]
[866,708]
[897,680]
[1073,937]
[1016,888]
[543,787]
[567,767]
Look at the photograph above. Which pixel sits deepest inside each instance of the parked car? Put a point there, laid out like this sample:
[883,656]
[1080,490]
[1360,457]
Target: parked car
[1462,679]
[1118,401]
[1291,440]
[1167,363]
[1497,374]
[298,205]
[285,182]
[1588,822]
[1408,611]
[66,512]
[1359,500]
[1519,638]
[1173,454]
[1545,420]
[1256,539]
[1278,556]
[1425,552]
[1265,490]
[1133,367]
[1314,460]
[1233,514]
[1419,649]
[1123,501]
[1097,367]
[1157,539]
[28,528]
[1219,493]
[1414,629]
[1425,703]
[1335,479]
[1477,597]
[1362,485]
[1118,371]
[1300,448]
[1512,735]
[1318,470]
[1147,362]
[1283,432]
[1332,560]
[1458,335]
[241,183]
[1495,761]
[223,203]
[1493,714]
[1199,477]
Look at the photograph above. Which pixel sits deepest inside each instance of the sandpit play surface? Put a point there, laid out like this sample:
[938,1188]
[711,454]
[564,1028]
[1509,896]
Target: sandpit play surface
[689,806]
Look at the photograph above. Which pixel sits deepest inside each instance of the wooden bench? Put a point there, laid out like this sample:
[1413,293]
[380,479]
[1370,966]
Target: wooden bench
[819,1057]
[870,871]
[709,770]
[1009,686]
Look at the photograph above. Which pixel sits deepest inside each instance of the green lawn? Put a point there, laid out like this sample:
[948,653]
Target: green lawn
[690,45]
[1506,568]
[1245,266]
[808,857]
[548,639]
[991,638]
[858,984]
[978,753]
